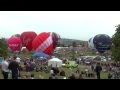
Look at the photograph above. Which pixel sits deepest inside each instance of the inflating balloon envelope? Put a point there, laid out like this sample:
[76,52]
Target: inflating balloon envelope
[14,43]
[27,38]
[45,42]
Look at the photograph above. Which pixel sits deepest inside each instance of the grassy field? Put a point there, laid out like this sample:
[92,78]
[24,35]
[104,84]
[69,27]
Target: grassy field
[67,71]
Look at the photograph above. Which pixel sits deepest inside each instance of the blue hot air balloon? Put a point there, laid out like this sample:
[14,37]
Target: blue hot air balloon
[102,42]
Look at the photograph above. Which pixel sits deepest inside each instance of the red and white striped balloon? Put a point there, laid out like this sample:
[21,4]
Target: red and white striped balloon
[44,42]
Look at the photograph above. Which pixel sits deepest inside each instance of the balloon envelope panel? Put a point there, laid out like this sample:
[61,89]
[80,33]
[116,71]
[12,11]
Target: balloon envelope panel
[90,43]
[45,42]
[102,42]
[16,35]
[14,43]
[27,38]
[56,39]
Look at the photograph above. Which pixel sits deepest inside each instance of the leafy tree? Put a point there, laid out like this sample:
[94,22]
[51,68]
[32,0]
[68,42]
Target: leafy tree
[3,48]
[116,44]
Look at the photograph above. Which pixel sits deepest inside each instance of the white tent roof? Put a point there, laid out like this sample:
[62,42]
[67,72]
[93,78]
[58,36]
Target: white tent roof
[55,59]
[55,62]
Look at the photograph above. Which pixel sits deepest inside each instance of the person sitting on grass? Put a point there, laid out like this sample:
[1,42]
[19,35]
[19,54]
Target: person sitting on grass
[72,76]
[55,70]
[82,72]
[28,76]
[62,73]
[91,74]
[50,77]
[32,76]
[109,75]
[23,77]
[40,77]
[80,76]
[46,69]
[53,76]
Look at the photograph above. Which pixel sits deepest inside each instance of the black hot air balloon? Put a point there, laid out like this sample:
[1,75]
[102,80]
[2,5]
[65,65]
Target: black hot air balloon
[102,42]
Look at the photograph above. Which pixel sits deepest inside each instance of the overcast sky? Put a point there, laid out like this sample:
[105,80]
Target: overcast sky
[80,25]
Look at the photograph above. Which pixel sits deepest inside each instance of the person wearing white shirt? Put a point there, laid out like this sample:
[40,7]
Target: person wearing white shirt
[5,70]
[18,59]
[51,72]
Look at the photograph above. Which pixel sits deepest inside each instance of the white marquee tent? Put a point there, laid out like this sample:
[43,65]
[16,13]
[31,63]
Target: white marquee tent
[55,62]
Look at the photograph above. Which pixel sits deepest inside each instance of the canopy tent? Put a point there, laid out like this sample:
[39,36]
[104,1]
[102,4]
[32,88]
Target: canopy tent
[55,62]
[40,54]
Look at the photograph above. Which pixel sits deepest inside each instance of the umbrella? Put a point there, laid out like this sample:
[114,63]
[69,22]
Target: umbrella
[40,54]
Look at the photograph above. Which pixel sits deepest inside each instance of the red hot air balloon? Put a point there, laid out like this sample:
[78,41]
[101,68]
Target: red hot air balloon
[44,43]
[16,35]
[14,43]
[27,38]
[56,39]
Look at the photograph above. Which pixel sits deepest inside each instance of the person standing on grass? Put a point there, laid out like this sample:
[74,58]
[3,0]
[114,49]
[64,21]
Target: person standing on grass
[14,67]
[92,67]
[4,67]
[51,71]
[98,70]
[18,60]
[86,72]
[78,69]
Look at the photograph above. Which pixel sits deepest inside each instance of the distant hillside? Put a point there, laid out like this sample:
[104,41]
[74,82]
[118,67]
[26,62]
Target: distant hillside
[70,41]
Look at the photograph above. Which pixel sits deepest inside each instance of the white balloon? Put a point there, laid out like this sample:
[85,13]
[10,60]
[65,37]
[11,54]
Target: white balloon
[91,44]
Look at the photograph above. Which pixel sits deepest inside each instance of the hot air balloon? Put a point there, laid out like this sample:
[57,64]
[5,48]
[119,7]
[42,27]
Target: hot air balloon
[16,35]
[14,44]
[27,38]
[90,43]
[102,42]
[45,42]
[56,39]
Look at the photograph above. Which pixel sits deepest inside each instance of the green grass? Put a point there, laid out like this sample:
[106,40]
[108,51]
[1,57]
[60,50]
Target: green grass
[67,71]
